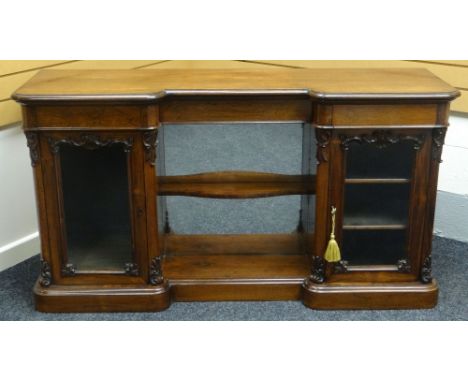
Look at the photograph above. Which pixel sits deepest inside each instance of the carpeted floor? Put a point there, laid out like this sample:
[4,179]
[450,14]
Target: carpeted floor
[450,264]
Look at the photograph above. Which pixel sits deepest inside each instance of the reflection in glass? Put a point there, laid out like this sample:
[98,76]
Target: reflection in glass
[374,247]
[96,207]
[366,160]
[381,204]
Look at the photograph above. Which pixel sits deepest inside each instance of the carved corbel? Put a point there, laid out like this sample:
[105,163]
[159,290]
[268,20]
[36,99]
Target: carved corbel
[323,137]
[32,140]
[426,270]
[150,142]
[438,138]
[46,274]
[156,276]
[317,274]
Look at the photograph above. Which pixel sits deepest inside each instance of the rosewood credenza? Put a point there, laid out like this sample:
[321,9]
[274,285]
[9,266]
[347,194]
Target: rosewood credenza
[371,143]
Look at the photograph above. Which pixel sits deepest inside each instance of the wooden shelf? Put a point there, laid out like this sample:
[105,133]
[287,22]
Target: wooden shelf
[373,222]
[235,257]
[376,227]
[377,181]
[236,185]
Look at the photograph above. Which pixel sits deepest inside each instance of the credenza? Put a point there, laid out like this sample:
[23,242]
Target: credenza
[364,192]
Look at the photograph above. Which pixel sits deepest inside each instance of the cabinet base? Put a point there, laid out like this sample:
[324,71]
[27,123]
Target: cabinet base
[87,298]
[410,295]
[131,298]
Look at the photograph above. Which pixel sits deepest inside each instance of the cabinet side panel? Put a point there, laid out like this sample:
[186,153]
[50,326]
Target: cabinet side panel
[151,140]
[418,203]
[33,139]
[51,191]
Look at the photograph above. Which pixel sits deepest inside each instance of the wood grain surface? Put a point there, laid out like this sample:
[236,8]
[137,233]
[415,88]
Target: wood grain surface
[146,85]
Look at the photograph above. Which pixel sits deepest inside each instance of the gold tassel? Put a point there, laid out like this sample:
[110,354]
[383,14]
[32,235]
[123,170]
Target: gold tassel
[332,254]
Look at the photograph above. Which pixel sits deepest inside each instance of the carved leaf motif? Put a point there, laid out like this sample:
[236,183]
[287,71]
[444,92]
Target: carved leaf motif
[426,270]
[150,141]
[69,270]
[404,266]
[323,140]
[32,141]
[89,142]
[318,270]
[131,269]
[156,276]
[438,138]
[381,138]
[341,266]
[46,274]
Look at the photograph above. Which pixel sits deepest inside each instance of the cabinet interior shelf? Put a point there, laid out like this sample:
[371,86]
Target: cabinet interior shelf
[377,227]
[377,181]
[236,185]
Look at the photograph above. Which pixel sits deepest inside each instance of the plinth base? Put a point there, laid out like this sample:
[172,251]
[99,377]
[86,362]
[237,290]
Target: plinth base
[410,295]
[87,298]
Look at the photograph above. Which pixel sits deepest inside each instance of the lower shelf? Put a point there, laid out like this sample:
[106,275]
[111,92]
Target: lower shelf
[235,267]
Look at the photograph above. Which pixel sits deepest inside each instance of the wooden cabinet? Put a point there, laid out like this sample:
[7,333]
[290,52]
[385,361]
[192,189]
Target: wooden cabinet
[366,144]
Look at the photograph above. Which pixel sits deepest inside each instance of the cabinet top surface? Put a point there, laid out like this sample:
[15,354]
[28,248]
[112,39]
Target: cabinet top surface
[147,85]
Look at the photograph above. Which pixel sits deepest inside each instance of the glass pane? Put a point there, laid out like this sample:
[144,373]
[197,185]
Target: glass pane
[368,161]
[367,204]
[376,202]
[374,247]
[96,203]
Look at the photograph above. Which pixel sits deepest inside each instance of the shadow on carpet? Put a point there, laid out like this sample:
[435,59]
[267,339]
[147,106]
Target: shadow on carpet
[450,264]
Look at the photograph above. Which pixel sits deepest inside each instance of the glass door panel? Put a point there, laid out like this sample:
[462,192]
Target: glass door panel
[377,190]
[95,189]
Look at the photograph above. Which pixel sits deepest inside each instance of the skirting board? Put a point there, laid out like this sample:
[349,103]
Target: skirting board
[19,250]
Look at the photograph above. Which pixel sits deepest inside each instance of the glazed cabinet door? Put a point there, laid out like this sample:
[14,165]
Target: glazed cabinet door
[379,184]
[97,220]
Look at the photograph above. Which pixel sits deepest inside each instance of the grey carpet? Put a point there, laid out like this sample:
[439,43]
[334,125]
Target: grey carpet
[450,262]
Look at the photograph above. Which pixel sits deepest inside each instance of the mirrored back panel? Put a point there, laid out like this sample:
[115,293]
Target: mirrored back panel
[259,147]
[191,215]
[236,178]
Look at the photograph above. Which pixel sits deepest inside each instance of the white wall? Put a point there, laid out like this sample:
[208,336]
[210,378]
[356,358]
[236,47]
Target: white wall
[18,222]
[451,219]
[453,174]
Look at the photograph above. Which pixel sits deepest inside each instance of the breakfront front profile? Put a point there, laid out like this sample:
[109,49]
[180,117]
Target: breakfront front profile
[156,186]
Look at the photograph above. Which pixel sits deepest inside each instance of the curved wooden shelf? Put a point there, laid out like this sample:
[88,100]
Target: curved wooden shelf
[236,185]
